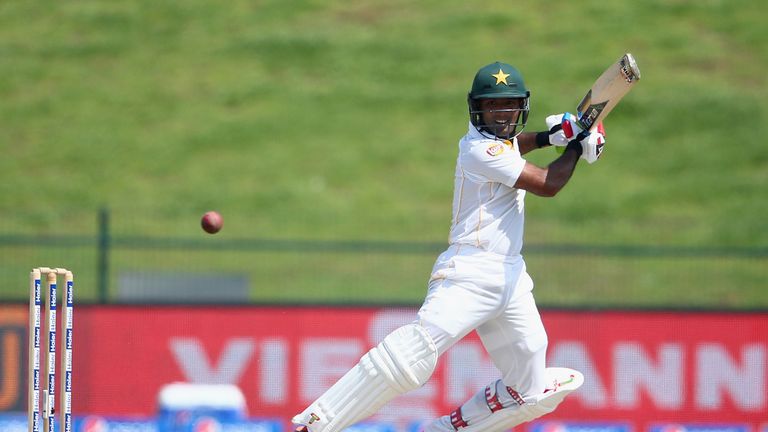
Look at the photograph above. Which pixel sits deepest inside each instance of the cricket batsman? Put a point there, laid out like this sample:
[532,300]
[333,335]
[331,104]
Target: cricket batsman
[480,281]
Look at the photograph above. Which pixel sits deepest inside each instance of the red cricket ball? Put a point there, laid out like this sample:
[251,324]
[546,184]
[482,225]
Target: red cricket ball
[212,222]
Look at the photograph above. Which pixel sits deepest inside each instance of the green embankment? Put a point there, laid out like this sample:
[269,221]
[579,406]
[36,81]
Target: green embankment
[336,120]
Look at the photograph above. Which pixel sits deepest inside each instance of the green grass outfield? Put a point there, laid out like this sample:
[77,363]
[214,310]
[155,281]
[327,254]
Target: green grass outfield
[336,120]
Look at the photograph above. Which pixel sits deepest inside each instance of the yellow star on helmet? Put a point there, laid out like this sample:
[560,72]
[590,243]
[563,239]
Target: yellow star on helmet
[501,77]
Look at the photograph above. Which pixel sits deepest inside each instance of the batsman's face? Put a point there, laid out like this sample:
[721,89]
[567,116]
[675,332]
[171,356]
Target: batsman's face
[501,114]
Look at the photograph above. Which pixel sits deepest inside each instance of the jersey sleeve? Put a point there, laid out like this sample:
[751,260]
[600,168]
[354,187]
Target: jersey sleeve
[496,161]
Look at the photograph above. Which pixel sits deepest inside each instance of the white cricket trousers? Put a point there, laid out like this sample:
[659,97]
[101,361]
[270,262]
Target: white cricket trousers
[472,289]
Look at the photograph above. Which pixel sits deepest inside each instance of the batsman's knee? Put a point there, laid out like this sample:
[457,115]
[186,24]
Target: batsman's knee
[406,358]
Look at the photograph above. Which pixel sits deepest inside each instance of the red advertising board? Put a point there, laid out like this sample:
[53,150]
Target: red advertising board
[639,367]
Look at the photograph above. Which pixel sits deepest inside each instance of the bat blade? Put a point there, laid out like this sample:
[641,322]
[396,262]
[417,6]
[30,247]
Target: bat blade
[607,91]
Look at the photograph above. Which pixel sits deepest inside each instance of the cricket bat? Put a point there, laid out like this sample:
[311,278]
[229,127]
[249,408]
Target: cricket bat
[606,92]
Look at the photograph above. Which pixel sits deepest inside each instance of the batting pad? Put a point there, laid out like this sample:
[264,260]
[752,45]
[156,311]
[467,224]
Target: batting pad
[403,361]
[563,380]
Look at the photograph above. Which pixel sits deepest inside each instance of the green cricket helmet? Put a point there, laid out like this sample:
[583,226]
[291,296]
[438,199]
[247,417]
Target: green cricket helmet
[494,81]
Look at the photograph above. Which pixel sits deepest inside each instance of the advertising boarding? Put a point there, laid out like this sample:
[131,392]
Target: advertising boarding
[644,371]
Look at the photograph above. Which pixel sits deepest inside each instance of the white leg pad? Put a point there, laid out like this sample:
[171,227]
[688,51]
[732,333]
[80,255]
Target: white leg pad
[563,381]
[403,361]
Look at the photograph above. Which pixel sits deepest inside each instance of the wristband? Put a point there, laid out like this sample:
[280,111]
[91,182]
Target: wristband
[575,145]
[542,139]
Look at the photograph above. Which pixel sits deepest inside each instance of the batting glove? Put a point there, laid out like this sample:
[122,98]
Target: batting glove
[589,145]
[556,134]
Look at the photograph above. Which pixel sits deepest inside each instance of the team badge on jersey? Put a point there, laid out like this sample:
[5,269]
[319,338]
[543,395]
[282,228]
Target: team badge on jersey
[510,144]
[495,149]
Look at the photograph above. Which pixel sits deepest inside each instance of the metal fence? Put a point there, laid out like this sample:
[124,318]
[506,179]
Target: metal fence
[119,268]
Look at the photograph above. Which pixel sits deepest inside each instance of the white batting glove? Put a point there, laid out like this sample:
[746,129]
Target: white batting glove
[556,135]
[592,145]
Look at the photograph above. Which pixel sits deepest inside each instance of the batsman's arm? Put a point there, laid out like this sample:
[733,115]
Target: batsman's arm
[547,182]
[528,141]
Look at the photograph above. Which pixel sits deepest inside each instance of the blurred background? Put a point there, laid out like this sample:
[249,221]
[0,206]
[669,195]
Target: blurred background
[325,133]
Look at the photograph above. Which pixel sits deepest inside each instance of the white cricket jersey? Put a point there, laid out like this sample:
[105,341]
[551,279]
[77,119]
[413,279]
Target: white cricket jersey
[487,208]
